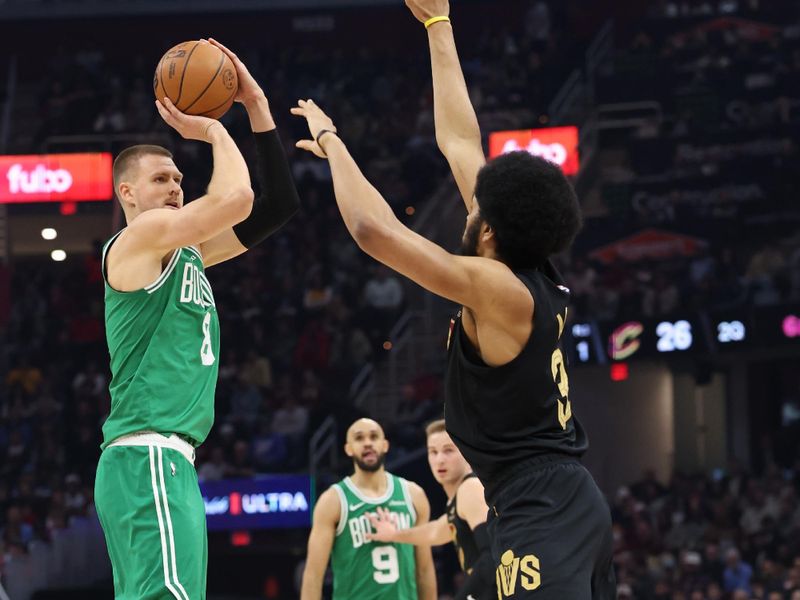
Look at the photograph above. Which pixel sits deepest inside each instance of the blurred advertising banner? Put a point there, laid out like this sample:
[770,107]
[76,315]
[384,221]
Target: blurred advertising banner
[556,144]
[266,502]
[649,244]
[56,178]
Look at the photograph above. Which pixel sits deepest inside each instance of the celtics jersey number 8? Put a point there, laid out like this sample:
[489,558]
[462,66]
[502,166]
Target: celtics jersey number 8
[164,343]
[373,570]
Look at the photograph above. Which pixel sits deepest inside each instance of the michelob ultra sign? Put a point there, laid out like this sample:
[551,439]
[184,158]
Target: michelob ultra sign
[559,145]
[56,177]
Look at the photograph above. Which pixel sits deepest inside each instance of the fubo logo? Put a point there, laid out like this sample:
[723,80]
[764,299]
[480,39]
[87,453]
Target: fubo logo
[39,180]
[78,177]
[558,145]
[555,152]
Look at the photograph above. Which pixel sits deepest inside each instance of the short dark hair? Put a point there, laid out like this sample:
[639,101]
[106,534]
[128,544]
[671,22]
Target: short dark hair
[531,206]
[130,156]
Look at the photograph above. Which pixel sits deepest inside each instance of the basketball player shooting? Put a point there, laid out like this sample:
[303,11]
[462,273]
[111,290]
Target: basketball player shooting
[340,530]
[163,338]
[463,522]
[507,404]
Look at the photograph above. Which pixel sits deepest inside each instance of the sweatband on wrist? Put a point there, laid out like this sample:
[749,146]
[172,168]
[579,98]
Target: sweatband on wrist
[319,137]
[278,200]
[433,20]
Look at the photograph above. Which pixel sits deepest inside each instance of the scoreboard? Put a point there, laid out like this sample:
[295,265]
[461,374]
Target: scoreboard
[701,333]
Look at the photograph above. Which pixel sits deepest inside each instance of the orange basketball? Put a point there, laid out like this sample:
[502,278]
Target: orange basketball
[198,77]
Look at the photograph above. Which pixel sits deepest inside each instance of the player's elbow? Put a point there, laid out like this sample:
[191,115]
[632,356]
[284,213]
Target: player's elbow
[370,235]
[239,202]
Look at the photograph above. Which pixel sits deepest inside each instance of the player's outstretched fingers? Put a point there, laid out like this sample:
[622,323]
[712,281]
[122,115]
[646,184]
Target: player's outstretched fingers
[225,49]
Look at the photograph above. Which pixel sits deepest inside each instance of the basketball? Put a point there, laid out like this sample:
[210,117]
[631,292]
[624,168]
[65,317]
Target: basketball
[198,77]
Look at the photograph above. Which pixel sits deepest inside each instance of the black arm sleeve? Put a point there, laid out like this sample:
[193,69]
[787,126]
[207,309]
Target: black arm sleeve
[480,583]
[278,200]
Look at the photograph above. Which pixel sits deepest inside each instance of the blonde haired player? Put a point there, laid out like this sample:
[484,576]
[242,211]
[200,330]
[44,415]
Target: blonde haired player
[362,568]
[463,522]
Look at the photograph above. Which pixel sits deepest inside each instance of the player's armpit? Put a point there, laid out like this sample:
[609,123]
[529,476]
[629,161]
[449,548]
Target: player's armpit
[320,543]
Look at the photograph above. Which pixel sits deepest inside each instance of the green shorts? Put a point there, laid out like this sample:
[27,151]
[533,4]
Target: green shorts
[154,520]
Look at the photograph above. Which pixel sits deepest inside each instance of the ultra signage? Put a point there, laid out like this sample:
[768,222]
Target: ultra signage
[262,503]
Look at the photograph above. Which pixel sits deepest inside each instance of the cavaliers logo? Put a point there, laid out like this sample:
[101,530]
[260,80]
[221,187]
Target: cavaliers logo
[624,340]
[514,570]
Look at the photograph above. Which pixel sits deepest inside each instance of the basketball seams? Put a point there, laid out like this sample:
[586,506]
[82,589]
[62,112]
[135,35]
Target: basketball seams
[211,81]
[183,74]
[161,79]
[227,100]
[157,79]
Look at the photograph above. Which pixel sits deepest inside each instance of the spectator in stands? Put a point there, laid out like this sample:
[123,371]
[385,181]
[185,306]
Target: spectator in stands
[737,574]
[241,464]
[383,300]
[290,421]
[581,281]
[246,401]
[256,370]
[317,294]
[215,468]
[269,449]
[764,266]
[24,377]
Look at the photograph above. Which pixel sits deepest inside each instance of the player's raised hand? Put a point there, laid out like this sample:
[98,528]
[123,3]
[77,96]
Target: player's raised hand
[425,9]
[190,127]
[385,529]
[317,121]
[249,90]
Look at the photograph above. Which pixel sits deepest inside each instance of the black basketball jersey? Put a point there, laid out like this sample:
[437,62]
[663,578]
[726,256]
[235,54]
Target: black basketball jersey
[463,538]
[502,416]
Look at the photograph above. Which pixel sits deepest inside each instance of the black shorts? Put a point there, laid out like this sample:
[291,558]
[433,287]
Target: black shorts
[550,530]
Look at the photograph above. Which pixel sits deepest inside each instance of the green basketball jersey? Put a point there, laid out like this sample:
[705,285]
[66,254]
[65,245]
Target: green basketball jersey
[373,570]
[164,347]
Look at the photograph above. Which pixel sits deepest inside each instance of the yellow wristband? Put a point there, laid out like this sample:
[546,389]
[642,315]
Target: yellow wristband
[433,20]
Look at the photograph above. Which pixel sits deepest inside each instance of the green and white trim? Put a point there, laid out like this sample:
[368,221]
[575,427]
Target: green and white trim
[171,580]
